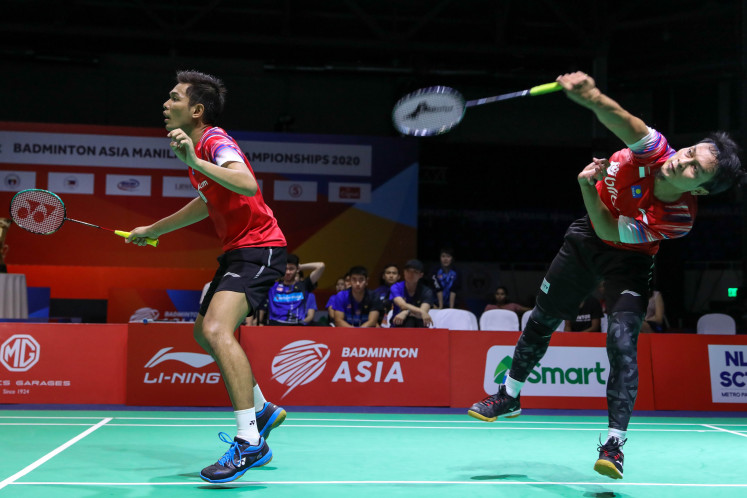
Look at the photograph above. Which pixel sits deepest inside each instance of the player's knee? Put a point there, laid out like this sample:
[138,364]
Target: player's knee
[540,326]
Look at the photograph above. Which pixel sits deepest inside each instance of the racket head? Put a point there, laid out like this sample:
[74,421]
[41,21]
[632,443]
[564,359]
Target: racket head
[428,111]
[37,210]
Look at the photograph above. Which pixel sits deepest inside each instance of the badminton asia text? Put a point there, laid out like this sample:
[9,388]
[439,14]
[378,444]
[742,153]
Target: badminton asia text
[92,150]
[379,371]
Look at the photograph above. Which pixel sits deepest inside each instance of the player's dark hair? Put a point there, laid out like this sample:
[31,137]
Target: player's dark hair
[358,270]
[447,250]
[729,170]
[292,259]
[206,90]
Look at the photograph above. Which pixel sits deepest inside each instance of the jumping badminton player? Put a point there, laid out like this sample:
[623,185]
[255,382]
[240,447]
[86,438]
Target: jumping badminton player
[253,258]
[646,193]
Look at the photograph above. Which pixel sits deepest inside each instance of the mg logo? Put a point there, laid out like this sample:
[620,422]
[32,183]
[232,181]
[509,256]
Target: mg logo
[19,353]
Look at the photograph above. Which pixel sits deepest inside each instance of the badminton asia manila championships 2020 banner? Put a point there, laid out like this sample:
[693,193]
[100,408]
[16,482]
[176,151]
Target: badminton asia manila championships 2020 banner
[340,199]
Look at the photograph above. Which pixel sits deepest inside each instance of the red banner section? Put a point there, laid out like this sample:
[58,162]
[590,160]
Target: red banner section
[62,363]
[333,366]
[166,367]
[573,374]
[700,372]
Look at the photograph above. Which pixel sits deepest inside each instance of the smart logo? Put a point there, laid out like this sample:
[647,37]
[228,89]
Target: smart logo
[19,353]
[564,371]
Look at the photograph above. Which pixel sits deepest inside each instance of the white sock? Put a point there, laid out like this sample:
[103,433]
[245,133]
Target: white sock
[259,399]
[616,433]
[246,425]
[513,387]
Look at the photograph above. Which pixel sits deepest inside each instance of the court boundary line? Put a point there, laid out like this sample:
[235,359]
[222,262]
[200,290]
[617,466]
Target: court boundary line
[472,483]
[724,430]
[51,454]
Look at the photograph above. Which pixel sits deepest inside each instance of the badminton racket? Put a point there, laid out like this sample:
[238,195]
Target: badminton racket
[43,212]
[438,109]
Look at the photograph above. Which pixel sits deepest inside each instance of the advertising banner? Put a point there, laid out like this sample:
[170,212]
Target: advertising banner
[353,367]
[166,367]
[700,372]
[572,374]
[62,363]
[136,305]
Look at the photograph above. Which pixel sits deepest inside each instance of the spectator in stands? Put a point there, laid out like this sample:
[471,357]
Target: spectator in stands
[357,306]
[589,318]
[446,280]
[389,277]
[286,301]
[654,321]
[340,286]
[310,303]
[412,298]
[500,301]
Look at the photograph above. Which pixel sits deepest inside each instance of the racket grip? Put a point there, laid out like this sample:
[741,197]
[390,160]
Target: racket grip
[150,242]
[546,88]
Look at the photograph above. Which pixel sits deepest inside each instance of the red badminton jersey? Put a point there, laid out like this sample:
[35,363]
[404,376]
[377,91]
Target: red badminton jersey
[240,221]
[628,192]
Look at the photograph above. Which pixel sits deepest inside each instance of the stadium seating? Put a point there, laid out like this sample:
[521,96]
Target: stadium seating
[499,320]
[716,323]
[454,319]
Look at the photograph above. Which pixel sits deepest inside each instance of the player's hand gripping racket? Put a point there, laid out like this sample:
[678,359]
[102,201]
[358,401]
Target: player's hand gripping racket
[43,212]
[438,109]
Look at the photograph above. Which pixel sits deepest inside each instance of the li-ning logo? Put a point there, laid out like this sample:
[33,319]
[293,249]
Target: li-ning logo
[299,363]
[19,353]
[196,360]
[423,107]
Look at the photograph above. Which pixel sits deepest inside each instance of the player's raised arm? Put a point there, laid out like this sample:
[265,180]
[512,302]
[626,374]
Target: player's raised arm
[581,88]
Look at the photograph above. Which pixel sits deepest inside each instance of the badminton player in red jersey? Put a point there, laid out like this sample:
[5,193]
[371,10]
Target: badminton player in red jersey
[644,194]
[253,258]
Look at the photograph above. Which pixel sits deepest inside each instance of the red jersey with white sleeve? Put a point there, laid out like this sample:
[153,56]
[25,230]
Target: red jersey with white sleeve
[628,192]
[240,221]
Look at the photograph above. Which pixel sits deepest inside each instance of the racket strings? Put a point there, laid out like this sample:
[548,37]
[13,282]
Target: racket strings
[37,211]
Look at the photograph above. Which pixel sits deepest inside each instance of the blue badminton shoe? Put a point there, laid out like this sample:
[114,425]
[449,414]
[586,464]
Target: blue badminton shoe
[239,458]
[499,405]
[268,418]
[611,457]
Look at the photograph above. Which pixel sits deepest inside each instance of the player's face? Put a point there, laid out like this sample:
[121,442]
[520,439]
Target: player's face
[391,275]
[690,167]
[358,282]
[177,111]
[446,259]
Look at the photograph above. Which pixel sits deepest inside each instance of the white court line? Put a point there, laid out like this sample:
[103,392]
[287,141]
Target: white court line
[242,484]
[59,449]
[725,430]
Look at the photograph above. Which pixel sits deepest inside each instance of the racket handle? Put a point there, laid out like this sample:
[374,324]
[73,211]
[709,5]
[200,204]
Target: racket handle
[546,88]
[150,242]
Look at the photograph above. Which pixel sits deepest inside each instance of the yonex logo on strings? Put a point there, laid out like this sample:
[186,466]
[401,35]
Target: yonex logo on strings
[37,210]
[19,353]
[423,107]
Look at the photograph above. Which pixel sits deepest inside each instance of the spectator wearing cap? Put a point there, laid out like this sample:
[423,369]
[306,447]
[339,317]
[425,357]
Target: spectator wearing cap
[412,298]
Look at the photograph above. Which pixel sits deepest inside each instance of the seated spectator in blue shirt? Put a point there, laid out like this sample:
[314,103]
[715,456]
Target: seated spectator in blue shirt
[389,277]
[446,280]
[357,306]
[287,298]
[412,298]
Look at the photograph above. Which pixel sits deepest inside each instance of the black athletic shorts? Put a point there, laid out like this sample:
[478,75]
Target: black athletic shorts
[251,270]
[582,262]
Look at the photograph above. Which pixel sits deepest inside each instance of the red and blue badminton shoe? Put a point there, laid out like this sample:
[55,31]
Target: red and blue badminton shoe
[610,461]
[268,418]
[499,405]
[239,458]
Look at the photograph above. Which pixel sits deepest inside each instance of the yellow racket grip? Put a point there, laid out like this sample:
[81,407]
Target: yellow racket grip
[546,88]
[150,242]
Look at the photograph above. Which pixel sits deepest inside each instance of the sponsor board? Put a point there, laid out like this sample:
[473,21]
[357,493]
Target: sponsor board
[353,193]
[294,191]
[70,183]
[62,363]
[728,369]
[563,371]
[14,181]
[325,366]
[137,185]
[178,186]
[308,158]
[166,367]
